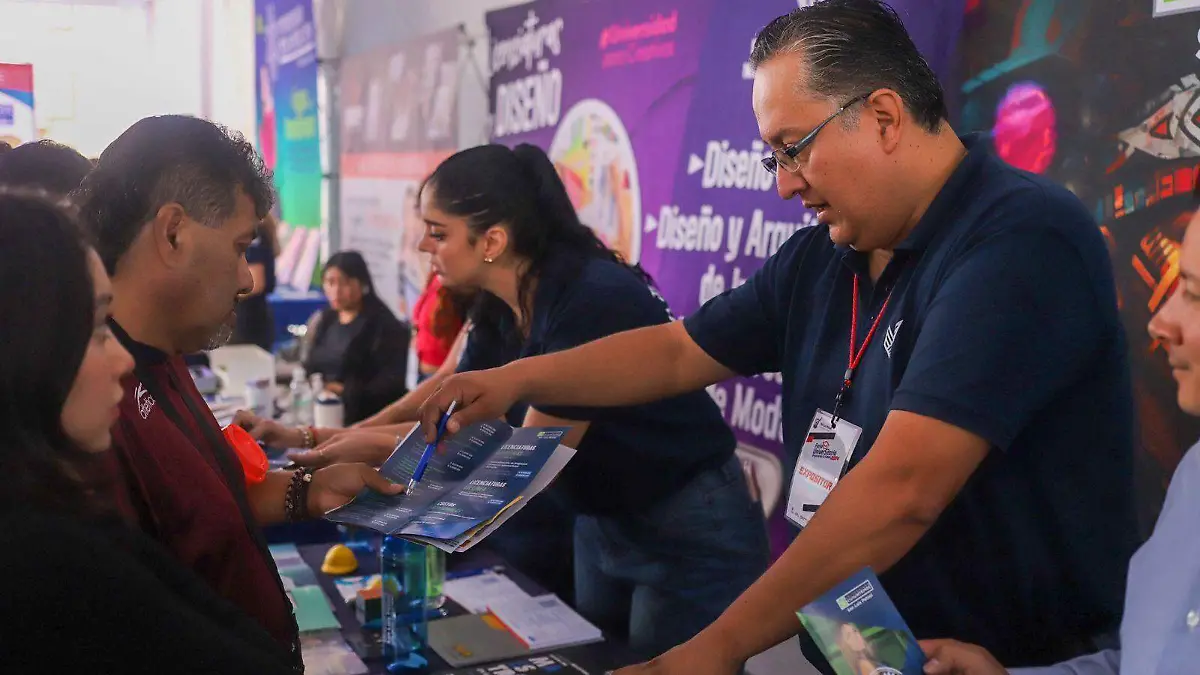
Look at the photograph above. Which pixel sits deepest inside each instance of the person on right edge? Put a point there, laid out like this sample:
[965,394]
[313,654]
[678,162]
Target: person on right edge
[948,333]
[1161,624]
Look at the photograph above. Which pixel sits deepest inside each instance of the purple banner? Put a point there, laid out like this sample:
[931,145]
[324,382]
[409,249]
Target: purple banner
[604,87]
[645,108]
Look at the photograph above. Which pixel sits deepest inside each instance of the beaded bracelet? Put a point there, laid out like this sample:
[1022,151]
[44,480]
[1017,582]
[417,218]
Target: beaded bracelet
[295,501]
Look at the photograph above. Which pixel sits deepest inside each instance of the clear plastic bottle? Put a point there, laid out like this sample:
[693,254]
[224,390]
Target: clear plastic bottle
[301,399]
[405,634]
[435,578]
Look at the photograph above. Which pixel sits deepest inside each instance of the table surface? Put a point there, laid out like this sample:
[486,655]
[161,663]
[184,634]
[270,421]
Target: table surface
[597,658]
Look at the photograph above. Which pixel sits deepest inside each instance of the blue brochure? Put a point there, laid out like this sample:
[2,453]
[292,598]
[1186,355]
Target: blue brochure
[477,479]
[860,632]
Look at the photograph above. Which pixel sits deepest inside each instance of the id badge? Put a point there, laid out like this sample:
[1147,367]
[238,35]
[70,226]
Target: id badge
[827,448]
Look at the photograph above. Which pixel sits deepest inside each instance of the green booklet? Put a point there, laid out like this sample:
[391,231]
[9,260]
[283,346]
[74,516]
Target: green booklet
[859,631]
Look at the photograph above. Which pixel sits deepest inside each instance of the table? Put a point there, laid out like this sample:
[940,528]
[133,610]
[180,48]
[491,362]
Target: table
[597,657]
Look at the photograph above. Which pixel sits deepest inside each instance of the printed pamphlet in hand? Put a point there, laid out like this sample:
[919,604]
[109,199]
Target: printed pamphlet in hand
[859,631]
[476,480]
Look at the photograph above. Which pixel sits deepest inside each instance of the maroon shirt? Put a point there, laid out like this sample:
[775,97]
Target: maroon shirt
[179,493]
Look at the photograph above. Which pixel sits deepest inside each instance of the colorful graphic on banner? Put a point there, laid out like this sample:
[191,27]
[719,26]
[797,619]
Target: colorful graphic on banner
[1118,92]
[286,81]
[17,123]
[646,109]
[399,121]
[604,88]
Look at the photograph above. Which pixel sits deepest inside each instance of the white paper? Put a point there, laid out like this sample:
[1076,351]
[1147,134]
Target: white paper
[545,622]
[479,592]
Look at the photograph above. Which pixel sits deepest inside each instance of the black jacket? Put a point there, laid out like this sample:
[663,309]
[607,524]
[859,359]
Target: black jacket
[375,366]
[106,599]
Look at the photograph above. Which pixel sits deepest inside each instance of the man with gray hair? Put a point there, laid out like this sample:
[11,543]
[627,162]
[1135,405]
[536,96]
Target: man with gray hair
[956,385]
[174,203]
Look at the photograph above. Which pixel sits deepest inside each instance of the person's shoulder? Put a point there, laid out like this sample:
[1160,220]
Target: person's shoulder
[597,278]
[1012,199]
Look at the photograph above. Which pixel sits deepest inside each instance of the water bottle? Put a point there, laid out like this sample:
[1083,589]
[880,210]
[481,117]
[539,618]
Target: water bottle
[302,399]
[402,566]
[435,578]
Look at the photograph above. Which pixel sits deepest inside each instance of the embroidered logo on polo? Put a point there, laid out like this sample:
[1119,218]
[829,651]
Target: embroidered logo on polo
[889,337]
[145,402]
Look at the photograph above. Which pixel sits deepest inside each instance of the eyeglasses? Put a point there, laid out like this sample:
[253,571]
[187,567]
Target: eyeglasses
[786,156]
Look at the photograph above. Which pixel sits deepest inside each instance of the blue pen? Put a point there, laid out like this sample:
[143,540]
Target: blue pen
[430,448]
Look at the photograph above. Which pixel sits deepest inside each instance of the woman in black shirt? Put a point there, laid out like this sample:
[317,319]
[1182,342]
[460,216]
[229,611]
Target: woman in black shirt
[82,591]
[666,534]
[357,345]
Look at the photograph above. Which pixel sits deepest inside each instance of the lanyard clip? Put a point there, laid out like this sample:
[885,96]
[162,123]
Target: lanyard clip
[841,396]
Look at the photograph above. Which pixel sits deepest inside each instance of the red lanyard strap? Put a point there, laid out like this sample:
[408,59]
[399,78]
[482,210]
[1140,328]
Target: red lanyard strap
[855,357]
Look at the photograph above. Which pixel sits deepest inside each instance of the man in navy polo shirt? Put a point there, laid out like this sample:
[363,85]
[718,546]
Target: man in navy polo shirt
[949,332]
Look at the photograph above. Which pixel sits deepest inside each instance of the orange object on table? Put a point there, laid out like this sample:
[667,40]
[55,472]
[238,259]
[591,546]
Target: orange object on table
[249,453]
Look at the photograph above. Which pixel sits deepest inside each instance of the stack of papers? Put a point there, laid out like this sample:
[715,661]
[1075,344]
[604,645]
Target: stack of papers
[478,593]
[545,622]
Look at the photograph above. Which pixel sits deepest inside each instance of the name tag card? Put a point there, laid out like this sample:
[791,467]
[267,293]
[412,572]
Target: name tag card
[826,450]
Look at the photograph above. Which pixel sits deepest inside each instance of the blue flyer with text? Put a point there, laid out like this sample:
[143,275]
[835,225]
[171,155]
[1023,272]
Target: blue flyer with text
[860,632]
[477,479]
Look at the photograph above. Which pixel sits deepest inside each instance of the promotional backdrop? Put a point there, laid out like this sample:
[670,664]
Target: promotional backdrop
[17,124]
[644,105]
[399,121]
[286,81]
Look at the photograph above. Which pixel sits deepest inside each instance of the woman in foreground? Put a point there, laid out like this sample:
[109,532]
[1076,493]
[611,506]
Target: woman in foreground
[81,590]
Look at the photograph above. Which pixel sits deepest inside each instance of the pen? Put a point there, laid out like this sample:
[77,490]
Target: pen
[430,448]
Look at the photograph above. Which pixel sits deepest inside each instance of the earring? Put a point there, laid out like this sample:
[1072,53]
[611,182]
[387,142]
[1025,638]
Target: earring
[488,260]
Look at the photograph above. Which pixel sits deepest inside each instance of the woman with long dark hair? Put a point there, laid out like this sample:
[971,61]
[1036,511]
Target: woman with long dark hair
[666,534]
[82,591]
[357,344]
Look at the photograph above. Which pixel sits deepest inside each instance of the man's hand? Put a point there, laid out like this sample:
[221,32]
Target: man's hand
[481,396]
[702,655]
[948,657]
[336,485]
[267,430]
[368,447]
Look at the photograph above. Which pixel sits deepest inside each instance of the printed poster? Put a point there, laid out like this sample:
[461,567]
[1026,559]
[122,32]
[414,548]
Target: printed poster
[399,121]
[288,139]
[17,123]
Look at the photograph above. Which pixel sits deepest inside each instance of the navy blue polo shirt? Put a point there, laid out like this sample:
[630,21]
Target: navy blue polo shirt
[1003,322]
[631,456]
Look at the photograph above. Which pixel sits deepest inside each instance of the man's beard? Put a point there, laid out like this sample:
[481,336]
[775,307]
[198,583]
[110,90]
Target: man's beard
[224,333]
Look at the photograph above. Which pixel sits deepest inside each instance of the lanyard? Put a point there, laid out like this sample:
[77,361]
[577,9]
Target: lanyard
[855,357]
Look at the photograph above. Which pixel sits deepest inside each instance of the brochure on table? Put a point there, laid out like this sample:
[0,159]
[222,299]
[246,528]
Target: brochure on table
[477,479]
[859,630]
